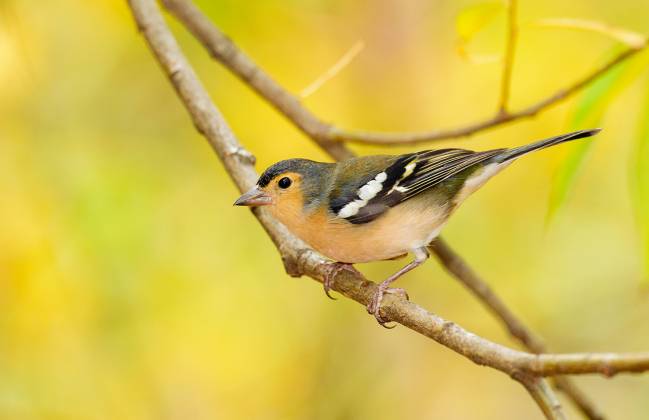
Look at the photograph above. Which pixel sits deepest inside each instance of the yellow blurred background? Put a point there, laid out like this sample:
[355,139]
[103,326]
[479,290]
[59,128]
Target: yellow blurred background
[130,288]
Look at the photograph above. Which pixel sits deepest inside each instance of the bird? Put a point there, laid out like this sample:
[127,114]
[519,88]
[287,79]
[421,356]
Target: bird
[380,207]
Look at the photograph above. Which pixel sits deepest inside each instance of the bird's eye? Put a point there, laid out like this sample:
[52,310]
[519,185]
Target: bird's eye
[284,182]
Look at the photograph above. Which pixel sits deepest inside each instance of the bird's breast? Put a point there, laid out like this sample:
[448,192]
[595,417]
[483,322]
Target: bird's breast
[412,224]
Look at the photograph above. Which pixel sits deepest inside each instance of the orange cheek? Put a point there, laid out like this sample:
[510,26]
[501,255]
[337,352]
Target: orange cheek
[290,204]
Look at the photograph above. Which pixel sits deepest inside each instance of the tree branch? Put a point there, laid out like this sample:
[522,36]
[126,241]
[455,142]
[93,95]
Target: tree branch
[298,259]
[224,50]
[577,397]
[303,261]
[546,400]
[228,54]
[463,272]
[457,267]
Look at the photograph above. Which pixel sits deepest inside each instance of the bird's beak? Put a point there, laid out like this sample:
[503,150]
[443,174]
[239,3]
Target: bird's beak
[253,198]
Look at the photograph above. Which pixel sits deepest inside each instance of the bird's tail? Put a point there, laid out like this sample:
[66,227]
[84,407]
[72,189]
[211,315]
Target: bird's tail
[516,152]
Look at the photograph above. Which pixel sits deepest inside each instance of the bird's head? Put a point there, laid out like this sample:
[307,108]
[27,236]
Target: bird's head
[289,186]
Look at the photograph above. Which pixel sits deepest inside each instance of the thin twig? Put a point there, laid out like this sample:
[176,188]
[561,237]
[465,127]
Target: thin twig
[539,389]
[300,260]
[630,38]
[228,54]
[495,121]
[465,274]
[577,397]
[508,60]
[333,70]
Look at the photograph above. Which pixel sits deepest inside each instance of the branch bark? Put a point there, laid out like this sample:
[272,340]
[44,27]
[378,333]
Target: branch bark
[228,54]
[299,259]
[459,269]
[539,389]
[225,51]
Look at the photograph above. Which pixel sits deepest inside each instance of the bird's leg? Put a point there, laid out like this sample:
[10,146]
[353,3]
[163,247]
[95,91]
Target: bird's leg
[421,255]
[332,271]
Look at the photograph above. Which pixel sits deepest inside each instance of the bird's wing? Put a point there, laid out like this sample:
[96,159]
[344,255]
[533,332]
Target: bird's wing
[401,178]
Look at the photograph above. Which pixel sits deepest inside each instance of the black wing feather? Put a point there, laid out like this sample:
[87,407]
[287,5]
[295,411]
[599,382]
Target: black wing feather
[431,167]
[442,168]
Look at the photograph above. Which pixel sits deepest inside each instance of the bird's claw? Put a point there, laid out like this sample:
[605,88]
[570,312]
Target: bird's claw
[374,307]
[332,271]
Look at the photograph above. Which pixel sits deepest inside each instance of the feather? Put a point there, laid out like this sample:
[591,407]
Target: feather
[395,179]
[401,178]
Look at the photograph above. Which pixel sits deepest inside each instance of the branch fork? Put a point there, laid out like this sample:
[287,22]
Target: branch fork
[530,369]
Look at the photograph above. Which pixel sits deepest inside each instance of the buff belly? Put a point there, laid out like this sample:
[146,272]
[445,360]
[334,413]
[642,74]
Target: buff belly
[415,224]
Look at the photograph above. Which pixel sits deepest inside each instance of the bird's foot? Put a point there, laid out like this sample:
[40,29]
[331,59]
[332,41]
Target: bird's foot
[333,270]
[374,307]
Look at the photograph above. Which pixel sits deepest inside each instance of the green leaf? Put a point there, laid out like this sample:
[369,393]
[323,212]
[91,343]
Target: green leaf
[640,182]
[472,20]
[589,113]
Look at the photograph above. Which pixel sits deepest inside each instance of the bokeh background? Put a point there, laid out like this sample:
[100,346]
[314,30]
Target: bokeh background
[131,288]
